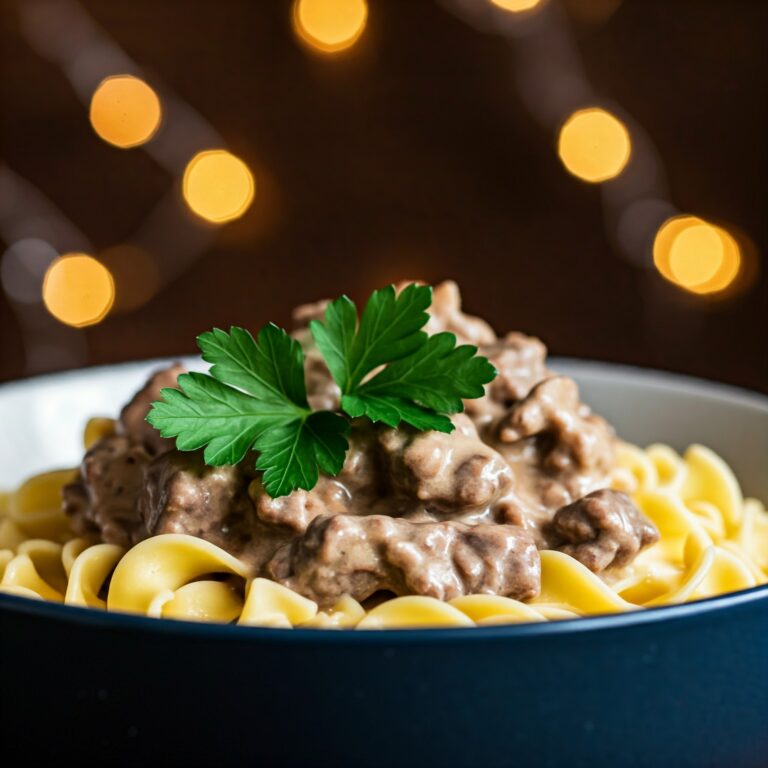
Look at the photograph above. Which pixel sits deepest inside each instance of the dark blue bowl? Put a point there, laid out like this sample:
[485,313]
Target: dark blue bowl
[678,686]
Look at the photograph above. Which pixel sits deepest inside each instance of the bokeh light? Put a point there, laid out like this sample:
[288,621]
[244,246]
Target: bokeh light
[218,186]
[78,290]
[125,111]
[516,6]
[594,145]
[696,255]
[329,25]
[135,273]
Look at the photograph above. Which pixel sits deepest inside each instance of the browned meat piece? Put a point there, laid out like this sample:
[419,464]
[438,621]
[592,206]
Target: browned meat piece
[103,500]
[573,437]
[323,392]
[445,472]
[355,490]
[299,508]
[304,313]
[446,315]
[133,416]
[602,530]
[520,362]
[183,495]
[558,451]
[341,554]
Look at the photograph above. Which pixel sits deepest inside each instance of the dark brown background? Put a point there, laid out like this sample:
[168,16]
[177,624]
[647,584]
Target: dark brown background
[412,156]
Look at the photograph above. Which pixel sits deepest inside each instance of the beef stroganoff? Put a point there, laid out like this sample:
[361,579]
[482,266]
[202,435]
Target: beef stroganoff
[524,507]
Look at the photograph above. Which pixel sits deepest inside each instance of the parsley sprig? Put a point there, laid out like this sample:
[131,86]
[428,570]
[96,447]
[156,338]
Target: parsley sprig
[254,395]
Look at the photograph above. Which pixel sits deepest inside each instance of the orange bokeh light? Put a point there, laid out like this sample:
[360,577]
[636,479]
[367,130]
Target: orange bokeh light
[329,26]
[594,145]
[696,255]
[125,111]
[218,186]
[78,290]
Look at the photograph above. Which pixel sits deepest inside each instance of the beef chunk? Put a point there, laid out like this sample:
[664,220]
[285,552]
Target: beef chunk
[304,313]
[445,472]
[572,437]
[299,508]
[446,315]
[103,500]
[341,554]
[602,530]
[353,491]
[133,417]
[323,392]
[183,495]
[520,362]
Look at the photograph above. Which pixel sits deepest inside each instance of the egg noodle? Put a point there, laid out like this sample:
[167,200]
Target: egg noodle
[713,541]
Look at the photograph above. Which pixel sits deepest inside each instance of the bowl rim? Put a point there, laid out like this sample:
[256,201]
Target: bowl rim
[718,604]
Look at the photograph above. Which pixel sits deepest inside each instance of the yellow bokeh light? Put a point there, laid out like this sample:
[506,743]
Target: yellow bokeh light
[78,290]
[125,111]
[594,145]
[330,25]
[696,255]
[218,186]
[516,6]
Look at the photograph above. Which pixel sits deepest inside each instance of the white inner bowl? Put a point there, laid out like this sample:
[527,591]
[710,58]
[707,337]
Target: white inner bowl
[42,419]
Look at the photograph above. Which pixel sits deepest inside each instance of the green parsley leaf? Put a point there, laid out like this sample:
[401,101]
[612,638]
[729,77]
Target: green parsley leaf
[389,329]
[432,381]
[290,455]
[437,376]
[253,398]
[205,412]
[392,411]
[271,370]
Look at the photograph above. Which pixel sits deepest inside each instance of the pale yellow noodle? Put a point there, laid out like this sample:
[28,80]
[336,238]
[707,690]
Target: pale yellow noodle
[413,611]
[165,562]
[204,601]
[36,508]
[269,604]
[89,572]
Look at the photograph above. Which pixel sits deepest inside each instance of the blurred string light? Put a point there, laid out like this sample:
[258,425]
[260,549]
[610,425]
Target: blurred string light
[329,26]
[125,111]
[78,290]
[594,145]
[696,255]
[53,296]
[218,186]
[517,6]
[37,231]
